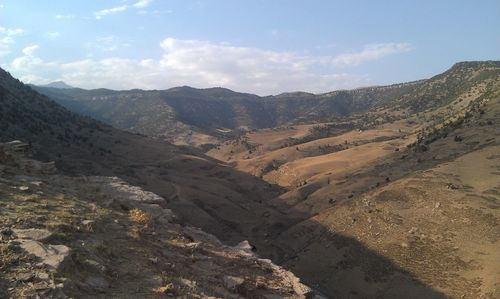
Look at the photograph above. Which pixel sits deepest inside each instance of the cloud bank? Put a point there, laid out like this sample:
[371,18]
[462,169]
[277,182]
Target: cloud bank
[371,52]
[7,39]
[110,11]
[207,64]
[141,4]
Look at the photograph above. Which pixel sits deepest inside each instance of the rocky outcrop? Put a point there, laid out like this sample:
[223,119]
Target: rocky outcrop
[106,238]
[50,255]
[14,157]
[236,281]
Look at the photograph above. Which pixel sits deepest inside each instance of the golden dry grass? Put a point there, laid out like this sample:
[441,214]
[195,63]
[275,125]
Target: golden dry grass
[140,217]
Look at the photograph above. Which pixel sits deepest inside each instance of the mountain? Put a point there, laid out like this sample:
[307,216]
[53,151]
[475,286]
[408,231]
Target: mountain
[31,117]
[379,192]
[187,111]
[90,154]
[81,145]
[414,180]
[57,84]
[179,113]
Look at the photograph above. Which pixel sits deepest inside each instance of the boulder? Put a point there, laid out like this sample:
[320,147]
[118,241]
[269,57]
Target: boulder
[244,248]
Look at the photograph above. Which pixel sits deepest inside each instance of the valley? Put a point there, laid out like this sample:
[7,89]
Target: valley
[367,193]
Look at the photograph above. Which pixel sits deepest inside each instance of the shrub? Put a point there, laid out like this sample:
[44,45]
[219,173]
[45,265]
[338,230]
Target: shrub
[140,217]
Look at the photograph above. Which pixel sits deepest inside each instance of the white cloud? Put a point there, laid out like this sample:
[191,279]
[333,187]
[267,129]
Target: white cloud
[30,50]
[7,39]
[27,63]
[53,34]
[142,3]
[110,11]
[371,52]
[31,69]
[108,43]
[64,17]
[154,12]
[207,64]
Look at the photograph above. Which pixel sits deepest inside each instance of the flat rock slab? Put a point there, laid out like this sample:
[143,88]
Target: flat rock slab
[50,255]
[32,234]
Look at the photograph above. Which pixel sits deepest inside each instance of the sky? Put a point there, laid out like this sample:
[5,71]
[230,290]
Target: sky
[257,46]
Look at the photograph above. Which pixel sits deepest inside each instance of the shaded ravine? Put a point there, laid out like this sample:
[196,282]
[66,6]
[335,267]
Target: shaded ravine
[377,268]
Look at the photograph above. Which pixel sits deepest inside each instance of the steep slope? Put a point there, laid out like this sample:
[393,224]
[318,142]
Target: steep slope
[183,110]
[391,126]
[127,110]
[420,190]
[183,115]
[440,223]
[199,189]
[179,113]
[401,199]
[88,237]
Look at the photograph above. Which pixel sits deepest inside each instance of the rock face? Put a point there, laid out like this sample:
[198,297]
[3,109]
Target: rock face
[15,154]
[118,194]
[118,190]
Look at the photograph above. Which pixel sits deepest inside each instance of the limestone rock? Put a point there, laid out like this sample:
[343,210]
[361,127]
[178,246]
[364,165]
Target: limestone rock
[50,255]
[244,245]
[32,234]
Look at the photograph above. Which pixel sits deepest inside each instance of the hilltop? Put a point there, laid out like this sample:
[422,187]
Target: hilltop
[57,84]
[186,115]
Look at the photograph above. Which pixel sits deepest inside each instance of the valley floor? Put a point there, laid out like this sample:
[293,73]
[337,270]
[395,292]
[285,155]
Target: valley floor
[385,217]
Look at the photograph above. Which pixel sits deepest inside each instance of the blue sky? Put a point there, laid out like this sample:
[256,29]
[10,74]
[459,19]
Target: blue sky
[258,46]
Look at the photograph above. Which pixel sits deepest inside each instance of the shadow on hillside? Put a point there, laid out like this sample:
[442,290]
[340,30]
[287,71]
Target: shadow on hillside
[345,268]
[4,286]
[340,266]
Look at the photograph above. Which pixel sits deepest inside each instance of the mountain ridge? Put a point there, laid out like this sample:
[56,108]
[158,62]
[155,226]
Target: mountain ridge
[187,111]
[57,84]
[397,192]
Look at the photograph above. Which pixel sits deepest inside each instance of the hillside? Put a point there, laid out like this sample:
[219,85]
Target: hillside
[195,116]
[49,128]
[189,183]
[414,181]
[376,192]
[186,115]
[88,237]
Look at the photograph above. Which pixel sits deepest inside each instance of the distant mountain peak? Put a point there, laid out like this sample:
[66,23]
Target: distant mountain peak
[58,84]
